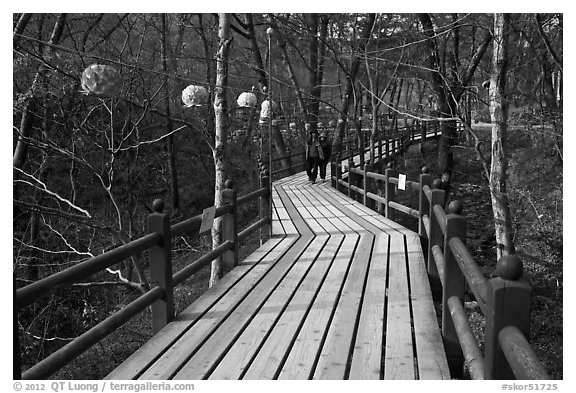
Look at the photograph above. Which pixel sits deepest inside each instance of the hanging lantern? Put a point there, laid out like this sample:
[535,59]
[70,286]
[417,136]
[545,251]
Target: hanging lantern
[267,108]
[101,80]
[247,100]
[194,96]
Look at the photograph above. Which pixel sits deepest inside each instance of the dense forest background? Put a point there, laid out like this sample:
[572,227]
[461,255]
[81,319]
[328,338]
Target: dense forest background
[86,166]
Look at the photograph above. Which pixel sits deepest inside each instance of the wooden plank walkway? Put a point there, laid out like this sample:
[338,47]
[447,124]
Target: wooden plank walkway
[338,292]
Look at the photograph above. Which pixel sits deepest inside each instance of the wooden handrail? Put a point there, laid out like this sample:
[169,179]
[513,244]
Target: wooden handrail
[158,297]
[254,227]
[79,345]
[252,196]
[474,276]
[520,355]
[470,347]
[450,262]
[39,289]
[187,271]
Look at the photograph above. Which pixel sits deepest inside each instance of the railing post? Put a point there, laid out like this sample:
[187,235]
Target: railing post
[390,189]
[350,166]
[265,205]
[508,304]
[338,172]
[333,173]
[435,235]
[366,187]
[289,161]
[423,203]
[230,227]
[422,132]
[453,285]
[161,266]
[387,144]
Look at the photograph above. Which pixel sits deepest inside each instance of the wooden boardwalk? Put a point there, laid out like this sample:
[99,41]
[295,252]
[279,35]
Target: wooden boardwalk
[338,292]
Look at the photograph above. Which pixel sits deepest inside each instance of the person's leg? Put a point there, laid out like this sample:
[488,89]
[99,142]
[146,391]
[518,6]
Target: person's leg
[323,170]
[309,168]
[314,168]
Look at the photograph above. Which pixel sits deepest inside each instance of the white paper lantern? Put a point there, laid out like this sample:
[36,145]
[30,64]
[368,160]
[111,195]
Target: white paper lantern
[101,80]
[267,108]
[194,96]
[247,100]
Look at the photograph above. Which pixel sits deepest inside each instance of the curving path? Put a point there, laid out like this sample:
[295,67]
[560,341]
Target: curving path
[338,292]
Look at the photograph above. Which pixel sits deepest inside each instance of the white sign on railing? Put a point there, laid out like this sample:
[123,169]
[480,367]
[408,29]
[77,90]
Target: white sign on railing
[401,181]
[207,219]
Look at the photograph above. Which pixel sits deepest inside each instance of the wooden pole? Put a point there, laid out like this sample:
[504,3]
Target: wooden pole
[161,266]
[390,189]
[508,304]
[350,183]
[265,206]
[453,285]
[435,235]
[230,227]
[423,203]
[368,187]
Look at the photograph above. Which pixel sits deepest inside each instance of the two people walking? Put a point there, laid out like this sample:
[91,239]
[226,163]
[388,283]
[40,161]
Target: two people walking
[318,152]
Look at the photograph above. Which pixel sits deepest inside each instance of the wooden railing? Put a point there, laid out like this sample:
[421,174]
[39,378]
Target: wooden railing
[398,139]
[158,242]
[504,300]
[288,164]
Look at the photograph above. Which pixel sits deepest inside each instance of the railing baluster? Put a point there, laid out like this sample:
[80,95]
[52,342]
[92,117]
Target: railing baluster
[435,235]
[453,285]
[366,186]
[161,266]
[423,203]
[508,304]
[230,227]
[390,189]
[265,206]
[350,183]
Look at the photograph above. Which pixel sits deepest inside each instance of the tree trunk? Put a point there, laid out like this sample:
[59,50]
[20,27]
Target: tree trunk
[260,71]
[350,80]
[499,115]
[21,149]
[173,172]
[20,26]
[289,69]
[220,137]
[448,87]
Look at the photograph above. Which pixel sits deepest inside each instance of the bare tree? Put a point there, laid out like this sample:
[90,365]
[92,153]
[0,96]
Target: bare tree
[449,82]
[351,75]
[221,133]
[499,116]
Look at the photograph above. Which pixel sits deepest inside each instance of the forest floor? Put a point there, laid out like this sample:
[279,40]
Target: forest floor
[536,196]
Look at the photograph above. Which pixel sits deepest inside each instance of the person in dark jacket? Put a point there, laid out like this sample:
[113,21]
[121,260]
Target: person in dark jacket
[326,149]
[314,155]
